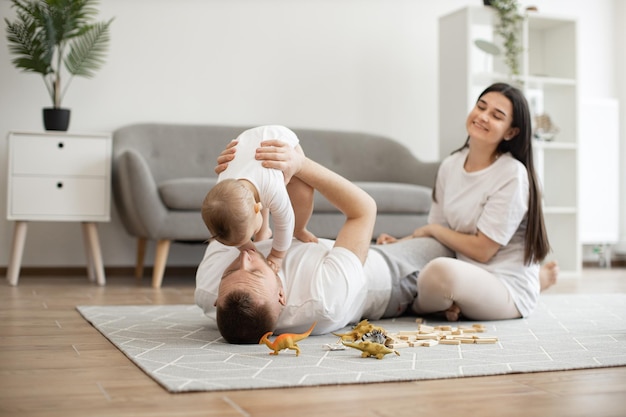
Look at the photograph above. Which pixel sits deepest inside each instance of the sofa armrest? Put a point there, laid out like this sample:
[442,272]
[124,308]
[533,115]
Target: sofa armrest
[135,190]
[408,169]
[426,173]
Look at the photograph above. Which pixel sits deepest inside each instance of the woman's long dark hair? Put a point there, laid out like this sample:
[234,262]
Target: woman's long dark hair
[520,147]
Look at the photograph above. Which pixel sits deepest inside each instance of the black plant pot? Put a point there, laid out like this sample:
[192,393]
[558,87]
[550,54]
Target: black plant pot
[56,118]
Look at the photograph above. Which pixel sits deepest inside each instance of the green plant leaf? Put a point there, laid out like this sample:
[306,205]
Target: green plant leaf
[29,43]
[87,51]
[43,33]
[508,28]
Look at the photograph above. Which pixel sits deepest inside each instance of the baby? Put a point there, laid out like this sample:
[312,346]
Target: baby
[236,210]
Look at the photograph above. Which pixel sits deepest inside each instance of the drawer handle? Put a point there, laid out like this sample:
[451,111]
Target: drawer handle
[60,145]
[59,185]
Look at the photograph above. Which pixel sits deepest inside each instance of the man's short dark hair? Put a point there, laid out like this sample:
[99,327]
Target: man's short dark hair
[241,320]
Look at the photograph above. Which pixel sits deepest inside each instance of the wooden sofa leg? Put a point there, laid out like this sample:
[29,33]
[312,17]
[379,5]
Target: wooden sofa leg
[141,255]
[160,259]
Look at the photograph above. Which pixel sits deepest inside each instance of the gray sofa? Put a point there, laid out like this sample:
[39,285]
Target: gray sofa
[161,173]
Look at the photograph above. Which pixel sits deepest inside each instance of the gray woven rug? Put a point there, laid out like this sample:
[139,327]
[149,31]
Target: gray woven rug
[172,344]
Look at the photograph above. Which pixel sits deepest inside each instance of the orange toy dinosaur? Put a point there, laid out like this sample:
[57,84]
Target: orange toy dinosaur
[285,341]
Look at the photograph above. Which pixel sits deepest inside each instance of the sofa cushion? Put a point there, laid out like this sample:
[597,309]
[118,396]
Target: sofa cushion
[185,193]
[389,197]
[188,193]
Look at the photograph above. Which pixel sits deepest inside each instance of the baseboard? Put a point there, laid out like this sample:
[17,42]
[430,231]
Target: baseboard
[615,263]
[69,271]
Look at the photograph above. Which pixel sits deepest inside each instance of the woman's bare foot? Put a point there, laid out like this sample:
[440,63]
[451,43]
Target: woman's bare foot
[453,313]
[305,236]
[548,274]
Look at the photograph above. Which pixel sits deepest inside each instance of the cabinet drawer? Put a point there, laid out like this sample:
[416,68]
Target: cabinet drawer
[59,155]
[60,198]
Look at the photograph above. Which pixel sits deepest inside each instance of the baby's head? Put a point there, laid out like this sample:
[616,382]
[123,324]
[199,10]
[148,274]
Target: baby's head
[231,212]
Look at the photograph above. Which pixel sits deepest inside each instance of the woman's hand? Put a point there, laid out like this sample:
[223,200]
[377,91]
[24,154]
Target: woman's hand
[424,231]
[385,238]
[279,155]
[225,157]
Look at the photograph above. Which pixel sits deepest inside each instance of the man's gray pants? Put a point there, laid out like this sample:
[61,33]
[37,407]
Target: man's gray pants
[406,259]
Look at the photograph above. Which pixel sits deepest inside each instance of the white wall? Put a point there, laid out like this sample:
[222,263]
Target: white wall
[620,56]
[366,65]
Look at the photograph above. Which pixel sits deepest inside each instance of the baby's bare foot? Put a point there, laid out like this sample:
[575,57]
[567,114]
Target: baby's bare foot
[305,236]
[548,274]
[453,313]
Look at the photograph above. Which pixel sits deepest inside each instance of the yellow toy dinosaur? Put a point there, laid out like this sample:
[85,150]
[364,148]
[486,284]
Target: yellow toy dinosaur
[285,341]
[371,349]
[362,328]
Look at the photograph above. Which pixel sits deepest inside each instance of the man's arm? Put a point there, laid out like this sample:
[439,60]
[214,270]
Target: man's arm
[358,206]
[301,197]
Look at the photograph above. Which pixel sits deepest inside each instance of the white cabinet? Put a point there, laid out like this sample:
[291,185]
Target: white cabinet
[57,176]
[549,80]
[599,175]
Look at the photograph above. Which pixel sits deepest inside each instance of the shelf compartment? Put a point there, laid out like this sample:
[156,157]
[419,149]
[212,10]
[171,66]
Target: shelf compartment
[557,171]
[562,232]
[551,47]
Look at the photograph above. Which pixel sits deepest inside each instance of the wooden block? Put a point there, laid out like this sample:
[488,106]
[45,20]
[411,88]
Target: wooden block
[428,336]
[424,328]
[391,341]
[399,345]
[426,342]
[486,340]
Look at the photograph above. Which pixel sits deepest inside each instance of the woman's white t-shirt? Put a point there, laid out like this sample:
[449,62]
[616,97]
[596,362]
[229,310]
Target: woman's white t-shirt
[493,200]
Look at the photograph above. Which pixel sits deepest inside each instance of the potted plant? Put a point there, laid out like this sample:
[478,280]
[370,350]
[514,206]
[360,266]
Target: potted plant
[508,28]
[55,38]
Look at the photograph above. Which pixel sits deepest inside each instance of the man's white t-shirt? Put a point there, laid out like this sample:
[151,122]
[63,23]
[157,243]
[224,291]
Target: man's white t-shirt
[322,284]
[270,183]
[493,200]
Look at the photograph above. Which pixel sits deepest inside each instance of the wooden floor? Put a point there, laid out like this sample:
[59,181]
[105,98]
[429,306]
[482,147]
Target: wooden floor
[52,362]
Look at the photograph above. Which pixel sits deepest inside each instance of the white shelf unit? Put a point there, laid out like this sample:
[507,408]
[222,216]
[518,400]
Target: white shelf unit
[548,76]
[599,178]
[599,172]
